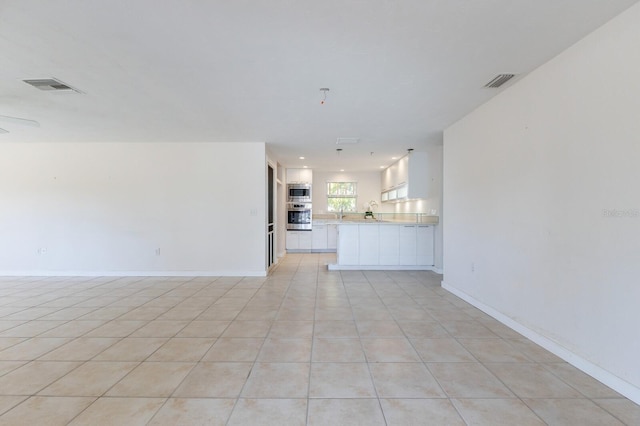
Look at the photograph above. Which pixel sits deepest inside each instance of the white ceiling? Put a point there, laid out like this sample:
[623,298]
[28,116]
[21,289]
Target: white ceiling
[399,71]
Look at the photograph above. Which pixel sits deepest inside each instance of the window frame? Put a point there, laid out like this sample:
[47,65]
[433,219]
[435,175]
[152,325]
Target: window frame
[353,197]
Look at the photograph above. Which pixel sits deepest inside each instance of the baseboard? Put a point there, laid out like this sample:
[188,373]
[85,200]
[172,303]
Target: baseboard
[71,273]
[336,267]
[614,382]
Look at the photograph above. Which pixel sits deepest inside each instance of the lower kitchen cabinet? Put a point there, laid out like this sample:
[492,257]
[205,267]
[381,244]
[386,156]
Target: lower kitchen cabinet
[319,237]
[386,245]
[298,240]
[332,237]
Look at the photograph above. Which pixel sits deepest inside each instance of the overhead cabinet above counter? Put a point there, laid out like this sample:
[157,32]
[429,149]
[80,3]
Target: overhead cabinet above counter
[405,179]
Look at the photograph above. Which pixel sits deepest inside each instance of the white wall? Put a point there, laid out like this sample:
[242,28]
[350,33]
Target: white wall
[101,208]
[527,177]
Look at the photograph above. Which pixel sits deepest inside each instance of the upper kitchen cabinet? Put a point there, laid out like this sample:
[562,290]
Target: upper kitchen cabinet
[405,179]
[299,176]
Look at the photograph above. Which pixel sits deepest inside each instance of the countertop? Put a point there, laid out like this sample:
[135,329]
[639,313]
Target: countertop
[430,220]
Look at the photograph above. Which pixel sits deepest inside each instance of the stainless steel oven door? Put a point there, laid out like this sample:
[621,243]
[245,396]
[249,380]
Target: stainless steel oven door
[299,217]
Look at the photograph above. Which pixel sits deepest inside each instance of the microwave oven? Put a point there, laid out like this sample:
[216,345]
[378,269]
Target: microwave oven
[299,193]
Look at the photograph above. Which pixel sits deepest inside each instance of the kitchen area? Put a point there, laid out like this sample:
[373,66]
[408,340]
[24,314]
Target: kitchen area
[386,220]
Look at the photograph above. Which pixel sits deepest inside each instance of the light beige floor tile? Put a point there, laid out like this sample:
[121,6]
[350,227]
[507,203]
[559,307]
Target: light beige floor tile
[337,350]
[31,328]
[468,380]
[493,350]
[181,314]
[341,380]
[160,328]
[119,411]
[469,329]
[67,314]
[8,402]
[402,412]
[7,366]
[116,328]
[90,379]
[106,313]
[7,342]
[32,377]
[238,349]
[32,348]
[257,315]
[214,380]
[379,329]
[131,349]
[291,330]
[277,380]
[50,411]
[152,379]
[405,380]
[532,381]
[420,329]
[74,328]
[219,313]
[623,409]
[182,350]
[143,313]
[352,412]
[496,412]
[285,350]
[389,350]
[204,329]
[337,314]
[586,385]
[275,412]
[533,351]
[193,411]
[81,349]
[335,329]
[247,329]
[442,350]
[568,412]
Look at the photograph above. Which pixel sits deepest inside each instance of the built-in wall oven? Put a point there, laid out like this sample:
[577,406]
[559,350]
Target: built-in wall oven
[299,216]
[299,193]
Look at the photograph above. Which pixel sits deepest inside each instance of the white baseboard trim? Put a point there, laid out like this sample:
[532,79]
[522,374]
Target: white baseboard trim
[614,382]
[336,267]
[71,273]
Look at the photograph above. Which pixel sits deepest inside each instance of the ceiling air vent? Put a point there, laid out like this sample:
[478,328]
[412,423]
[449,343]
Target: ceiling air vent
[51,84]
[499,80]
[347,141]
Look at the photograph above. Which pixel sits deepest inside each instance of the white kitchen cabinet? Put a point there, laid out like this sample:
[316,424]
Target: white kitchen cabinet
[408,245]
[425,250]
[389,245]
[298,240]
[369,241]
[404,246]
[332,236]
[299,176]
[407,178]
[319,237]
[348,247]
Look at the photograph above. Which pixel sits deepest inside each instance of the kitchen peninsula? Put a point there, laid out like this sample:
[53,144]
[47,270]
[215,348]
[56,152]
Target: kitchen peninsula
[385,244]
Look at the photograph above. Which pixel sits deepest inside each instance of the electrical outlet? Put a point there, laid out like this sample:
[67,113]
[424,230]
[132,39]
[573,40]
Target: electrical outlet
[158,252]
[473,267]
[42,250]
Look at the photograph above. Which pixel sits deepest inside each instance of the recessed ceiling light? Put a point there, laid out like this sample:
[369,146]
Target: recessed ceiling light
[305,167]
[394,158]
[301,158]
[382,167]
[342,170]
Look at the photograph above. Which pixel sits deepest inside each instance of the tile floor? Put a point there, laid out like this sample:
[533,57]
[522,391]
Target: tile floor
[303,346]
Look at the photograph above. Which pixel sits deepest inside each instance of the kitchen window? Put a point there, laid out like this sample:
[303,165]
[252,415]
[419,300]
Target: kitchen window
[342,196]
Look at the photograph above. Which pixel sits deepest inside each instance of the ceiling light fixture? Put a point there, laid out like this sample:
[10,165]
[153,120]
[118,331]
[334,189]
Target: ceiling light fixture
[323,94]
[301,158]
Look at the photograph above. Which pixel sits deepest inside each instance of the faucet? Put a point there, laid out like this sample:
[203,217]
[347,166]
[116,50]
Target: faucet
[341,211]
